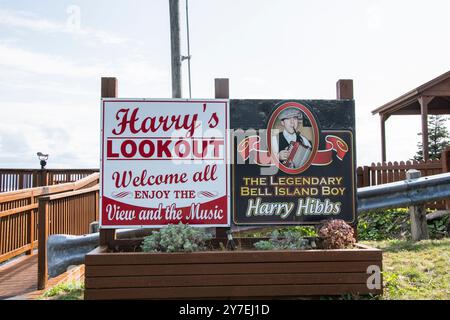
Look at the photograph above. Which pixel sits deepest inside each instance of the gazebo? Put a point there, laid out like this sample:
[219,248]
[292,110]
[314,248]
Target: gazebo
[432,97]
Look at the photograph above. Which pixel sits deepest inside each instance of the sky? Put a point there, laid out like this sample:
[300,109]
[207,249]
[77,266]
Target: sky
[54,53]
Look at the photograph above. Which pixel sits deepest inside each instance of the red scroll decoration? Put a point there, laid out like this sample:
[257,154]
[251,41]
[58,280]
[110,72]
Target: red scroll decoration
[251,146]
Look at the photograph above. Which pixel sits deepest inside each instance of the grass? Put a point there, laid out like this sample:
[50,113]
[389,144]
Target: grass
[65,291]
[415,271]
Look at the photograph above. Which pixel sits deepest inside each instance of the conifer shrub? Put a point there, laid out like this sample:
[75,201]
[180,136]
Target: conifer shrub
[176,238]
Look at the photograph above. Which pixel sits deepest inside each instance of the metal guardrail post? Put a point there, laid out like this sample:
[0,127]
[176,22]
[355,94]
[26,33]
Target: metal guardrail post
[419,227]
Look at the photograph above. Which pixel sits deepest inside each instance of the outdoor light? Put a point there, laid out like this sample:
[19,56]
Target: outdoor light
[43,158]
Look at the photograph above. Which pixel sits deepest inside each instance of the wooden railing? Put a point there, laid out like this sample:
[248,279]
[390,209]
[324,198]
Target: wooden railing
[19,216]
[18,179]
[65,213]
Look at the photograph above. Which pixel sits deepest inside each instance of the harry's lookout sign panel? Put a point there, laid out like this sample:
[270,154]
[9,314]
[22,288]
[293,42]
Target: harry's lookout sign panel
[164,161]
[294,161]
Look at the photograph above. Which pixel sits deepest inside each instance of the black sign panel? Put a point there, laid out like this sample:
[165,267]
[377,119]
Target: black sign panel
[294,161]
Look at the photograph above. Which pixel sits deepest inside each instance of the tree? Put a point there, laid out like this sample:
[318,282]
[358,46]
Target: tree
[438,138]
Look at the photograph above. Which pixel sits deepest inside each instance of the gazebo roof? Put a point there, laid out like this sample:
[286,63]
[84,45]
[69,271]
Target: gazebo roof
[438,89]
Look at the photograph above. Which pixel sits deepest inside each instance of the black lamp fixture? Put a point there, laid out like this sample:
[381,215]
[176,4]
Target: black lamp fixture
[43,158]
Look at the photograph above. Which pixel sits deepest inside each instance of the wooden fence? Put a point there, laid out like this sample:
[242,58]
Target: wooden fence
[19,216]
[18,179]
[65,213]
[382,173]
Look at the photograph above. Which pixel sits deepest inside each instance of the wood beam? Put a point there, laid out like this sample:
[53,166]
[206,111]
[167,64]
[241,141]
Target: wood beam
[424,100]
[344,89]
[109,89]
[383,119]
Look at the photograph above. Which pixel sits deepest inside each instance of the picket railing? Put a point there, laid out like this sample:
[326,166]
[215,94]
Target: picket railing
[19,215]
[18,179]
[381,173]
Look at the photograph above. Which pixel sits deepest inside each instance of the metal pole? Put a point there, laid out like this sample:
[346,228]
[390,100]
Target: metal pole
[188,47]
[174,6]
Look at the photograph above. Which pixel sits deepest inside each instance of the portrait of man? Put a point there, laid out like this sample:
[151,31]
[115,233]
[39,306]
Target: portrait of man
[293,147]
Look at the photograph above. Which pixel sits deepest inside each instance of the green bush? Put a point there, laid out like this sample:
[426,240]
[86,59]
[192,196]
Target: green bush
[299,231]
[176,238]
[395,224]
[288,240]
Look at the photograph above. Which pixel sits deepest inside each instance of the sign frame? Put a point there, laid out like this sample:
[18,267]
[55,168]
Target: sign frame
[227,148]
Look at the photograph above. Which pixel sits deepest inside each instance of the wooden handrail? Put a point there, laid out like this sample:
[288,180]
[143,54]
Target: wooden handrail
[18,210]
[70,193]
[17,179]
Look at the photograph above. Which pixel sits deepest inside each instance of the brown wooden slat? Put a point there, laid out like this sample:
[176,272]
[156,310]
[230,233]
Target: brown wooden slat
[14,253]
[232,257]
[231,268]
[18,210]
[227,291]
[222,280]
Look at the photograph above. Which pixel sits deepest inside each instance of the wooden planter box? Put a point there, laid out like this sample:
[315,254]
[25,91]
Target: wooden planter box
[228,274]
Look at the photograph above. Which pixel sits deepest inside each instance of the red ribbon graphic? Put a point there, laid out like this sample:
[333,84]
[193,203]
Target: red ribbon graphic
[251,145]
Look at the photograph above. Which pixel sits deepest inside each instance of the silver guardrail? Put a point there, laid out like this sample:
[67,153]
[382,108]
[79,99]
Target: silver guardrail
[65,250]
[404,193]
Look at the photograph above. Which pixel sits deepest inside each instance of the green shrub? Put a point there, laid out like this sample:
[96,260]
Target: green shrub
[288,240]
[176,238]
[300,231]
[395,224]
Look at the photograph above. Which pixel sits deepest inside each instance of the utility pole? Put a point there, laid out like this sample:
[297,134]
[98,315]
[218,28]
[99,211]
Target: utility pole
[174,6]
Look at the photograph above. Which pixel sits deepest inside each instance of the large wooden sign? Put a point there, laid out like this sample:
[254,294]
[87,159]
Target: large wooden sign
[294,161]
[164,161]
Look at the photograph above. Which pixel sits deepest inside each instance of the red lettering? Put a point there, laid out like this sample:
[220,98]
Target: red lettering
[163,147]
[151,148]
[124,149]
[187,122]
[109,152]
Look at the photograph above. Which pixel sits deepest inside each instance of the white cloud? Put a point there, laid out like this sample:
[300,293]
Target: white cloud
[39,63]
[27,20]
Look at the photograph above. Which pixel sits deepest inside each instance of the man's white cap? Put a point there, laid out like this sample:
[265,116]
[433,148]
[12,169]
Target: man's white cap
[291,113]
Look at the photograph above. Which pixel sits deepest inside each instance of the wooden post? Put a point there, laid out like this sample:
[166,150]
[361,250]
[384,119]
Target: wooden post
[383,119]
[109,89]
[424,113]
[43,178]
[344,91]
[445,161]
[419,227]
[174,9]
[366,176]
[30,227]
[35,179]
[42,243]
[222,91]
[21,176]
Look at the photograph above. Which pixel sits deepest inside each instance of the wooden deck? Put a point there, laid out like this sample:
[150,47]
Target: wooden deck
[18,277]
